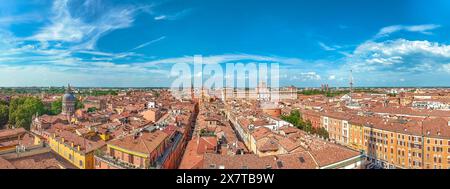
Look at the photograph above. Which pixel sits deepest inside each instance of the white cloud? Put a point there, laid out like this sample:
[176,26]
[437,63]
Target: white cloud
[326,47]
[400,47]
[162,17]
[174,16]
[67,25]
[425,29]
[446,68]
[18,19]
[225,58]
[305,76]
[148,43]
[332,77]
[392,61]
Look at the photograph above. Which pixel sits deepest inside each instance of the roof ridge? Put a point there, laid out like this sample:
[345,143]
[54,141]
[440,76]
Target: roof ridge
[145,145]
[314,159]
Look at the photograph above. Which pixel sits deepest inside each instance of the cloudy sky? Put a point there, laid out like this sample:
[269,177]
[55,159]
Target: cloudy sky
[135,43]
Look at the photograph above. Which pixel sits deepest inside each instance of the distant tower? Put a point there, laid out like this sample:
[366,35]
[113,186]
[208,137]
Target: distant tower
[351,81]
[192,92]
[68,102]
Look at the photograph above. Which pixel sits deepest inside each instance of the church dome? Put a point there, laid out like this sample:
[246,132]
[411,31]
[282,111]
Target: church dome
[68,97]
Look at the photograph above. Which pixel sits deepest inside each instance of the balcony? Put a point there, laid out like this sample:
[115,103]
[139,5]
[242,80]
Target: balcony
[114,161]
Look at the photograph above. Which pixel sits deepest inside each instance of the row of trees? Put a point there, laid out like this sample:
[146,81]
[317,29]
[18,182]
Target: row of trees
[19,111]
[101,92]
[334,93]
[4,113]
[22,109]
[32,90]
[322,92]
[295,118]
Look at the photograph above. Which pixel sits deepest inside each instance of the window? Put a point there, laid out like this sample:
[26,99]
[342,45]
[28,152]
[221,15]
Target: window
[81,163]
[131,159]
[111,152]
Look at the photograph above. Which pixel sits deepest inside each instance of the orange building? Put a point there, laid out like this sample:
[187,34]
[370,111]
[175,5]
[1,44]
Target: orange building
[140,150]
[151,114]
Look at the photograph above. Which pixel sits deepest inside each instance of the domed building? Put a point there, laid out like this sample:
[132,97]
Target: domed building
[68,102]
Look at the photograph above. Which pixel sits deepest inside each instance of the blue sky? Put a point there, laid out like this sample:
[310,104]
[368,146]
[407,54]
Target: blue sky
[135,43]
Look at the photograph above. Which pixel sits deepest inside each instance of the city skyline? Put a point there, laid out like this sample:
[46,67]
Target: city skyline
[134,43]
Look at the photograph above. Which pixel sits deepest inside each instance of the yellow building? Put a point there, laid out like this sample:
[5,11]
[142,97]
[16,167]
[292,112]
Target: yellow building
[77,150]
[356,136]
[401,143]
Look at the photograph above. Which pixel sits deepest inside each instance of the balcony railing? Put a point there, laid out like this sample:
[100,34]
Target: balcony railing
[115,162]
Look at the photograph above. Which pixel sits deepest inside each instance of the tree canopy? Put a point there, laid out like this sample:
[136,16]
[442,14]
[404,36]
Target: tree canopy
[295,118]
[4,114]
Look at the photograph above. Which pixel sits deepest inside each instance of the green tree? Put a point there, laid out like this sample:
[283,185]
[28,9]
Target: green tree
[308,126]
[323,133]
[91,109]
[4,114]
[56,107]
[22,109]
[295,118]
[78,104]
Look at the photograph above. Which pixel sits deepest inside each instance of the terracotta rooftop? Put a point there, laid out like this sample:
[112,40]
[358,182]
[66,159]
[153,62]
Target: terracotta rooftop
[145,143]
[86,145]
[246,161]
